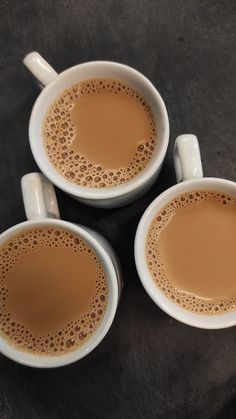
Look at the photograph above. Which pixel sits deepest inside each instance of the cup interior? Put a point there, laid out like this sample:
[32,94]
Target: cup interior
[81,72]
[185,316]
[40,361]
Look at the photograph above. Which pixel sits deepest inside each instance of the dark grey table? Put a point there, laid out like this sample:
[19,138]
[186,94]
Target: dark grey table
[149,366]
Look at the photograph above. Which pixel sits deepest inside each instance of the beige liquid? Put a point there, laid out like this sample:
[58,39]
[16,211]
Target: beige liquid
[53,291]
[99,133]
[190,251]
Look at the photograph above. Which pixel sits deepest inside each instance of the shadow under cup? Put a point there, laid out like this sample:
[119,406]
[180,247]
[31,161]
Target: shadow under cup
[114,196]
[204,321]
[112,277]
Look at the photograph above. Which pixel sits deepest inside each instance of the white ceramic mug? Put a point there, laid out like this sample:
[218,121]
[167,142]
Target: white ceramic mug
[54,84]
[188,167]
[41,210]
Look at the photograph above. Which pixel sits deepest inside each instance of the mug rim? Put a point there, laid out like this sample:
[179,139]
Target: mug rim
[202,321]
[41,361]
[94,193]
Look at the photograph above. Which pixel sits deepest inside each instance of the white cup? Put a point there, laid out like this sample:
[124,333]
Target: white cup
[188,167]
[41,210]
[54,84]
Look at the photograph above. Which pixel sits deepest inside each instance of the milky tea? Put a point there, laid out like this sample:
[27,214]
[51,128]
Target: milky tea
[191,251]
[53,291]
[99,133]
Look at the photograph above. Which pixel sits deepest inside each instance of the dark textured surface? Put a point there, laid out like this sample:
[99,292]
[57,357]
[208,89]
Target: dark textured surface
[149,366]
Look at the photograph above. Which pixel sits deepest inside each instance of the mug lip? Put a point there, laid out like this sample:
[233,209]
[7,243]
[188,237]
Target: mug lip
[94,193]
[219,321]
[41,361]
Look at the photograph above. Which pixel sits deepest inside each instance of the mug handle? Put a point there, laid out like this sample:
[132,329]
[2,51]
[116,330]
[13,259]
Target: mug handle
[39,67]
[39,197]
[187,158]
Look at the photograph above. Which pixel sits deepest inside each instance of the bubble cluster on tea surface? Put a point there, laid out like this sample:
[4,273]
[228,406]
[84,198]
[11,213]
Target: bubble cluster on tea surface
[123,140]
[218,269]
[53,291]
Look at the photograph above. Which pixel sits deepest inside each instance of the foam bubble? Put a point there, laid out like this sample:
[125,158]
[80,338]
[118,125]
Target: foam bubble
[75,332]
[59,131]
[154,261]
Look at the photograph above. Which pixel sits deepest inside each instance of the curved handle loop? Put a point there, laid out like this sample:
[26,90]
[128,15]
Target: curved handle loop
[187,158]
[39,197]
[39,67]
